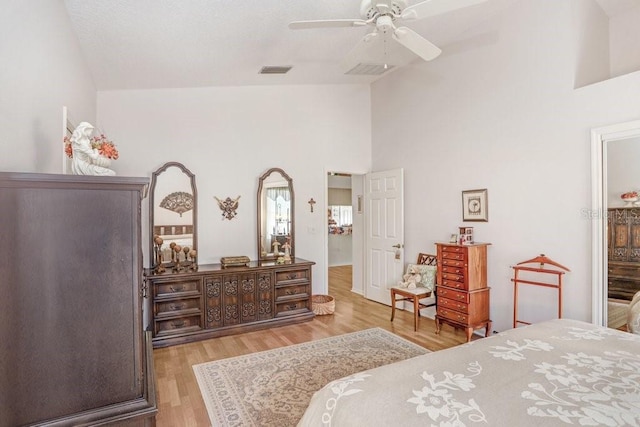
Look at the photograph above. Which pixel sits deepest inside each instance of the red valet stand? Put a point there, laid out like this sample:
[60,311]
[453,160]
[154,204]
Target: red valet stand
[541,260]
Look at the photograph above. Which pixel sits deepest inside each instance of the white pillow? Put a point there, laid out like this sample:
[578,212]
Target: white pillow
[427,273]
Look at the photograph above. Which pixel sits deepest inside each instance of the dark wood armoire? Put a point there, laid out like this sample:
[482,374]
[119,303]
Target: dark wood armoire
[623,228]
[73,347]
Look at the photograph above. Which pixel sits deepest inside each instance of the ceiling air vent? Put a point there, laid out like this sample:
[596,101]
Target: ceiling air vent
[275,69]
[369,69]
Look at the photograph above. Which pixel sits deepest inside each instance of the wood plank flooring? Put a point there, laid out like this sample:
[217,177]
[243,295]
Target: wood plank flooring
[179,400]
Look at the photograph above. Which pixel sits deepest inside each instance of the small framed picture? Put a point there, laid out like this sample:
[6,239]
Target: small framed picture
[474,205]
[453,238]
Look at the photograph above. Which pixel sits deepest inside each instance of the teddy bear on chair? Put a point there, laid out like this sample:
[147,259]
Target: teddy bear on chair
[411,279]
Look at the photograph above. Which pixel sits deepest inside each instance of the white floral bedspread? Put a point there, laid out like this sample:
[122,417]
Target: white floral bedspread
[554,373]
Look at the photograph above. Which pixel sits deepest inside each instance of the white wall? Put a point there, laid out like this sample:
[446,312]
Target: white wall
[504,117]
[624,33]
[230,136]
[41,70]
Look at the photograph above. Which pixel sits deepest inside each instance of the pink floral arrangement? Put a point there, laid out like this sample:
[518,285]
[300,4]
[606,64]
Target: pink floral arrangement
[105,147]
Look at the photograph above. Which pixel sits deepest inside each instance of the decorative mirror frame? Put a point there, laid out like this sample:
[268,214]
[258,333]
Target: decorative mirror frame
[194,192]
[600,138]
[261,181]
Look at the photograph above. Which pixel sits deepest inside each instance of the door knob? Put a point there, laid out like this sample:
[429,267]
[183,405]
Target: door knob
[398,246]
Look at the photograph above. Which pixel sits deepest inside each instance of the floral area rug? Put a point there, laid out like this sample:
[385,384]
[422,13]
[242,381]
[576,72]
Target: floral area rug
[274,387]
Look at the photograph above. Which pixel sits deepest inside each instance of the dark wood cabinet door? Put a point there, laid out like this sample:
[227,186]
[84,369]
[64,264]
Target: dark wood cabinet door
[213,286]
[265,296]
[230,299]
[248,291]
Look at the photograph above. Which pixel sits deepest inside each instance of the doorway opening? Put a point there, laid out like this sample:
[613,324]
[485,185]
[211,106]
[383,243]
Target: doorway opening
[344,226]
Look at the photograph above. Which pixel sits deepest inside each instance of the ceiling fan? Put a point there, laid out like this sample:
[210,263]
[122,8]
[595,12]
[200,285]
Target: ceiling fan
[388,45]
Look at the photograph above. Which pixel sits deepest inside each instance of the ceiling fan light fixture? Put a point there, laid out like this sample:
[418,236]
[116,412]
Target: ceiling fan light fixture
[275,69]
[369,69]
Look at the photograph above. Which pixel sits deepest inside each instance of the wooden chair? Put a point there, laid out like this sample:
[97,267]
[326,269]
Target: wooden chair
[413,295]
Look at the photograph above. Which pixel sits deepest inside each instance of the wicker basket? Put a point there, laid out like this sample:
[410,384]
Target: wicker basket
[323,304]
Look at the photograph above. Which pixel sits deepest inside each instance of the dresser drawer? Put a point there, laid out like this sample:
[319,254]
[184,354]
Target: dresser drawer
[177,306]
[289,275]
[453,284]
[452,263]
[452,294]
[454,249]
[624,271]
[453,305]
[291,307]
[292,291]
[182,288]
[451,276]
[178,325]
[623,289]
[460,256]
[452,269]
[453,315]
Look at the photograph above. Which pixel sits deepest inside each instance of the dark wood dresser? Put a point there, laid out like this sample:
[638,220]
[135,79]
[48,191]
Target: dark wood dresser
[214,301]
[74,351]
[623,253]
[462,294]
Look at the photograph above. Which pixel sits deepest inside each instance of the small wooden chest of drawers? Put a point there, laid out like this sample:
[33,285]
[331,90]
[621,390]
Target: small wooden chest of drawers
[462,294]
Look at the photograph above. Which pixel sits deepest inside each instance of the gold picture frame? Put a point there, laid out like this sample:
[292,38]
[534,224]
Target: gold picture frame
[475,205]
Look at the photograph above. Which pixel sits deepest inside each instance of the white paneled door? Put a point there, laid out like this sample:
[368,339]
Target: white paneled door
[384,239]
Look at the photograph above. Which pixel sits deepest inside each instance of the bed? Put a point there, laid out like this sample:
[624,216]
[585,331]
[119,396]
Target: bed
[554,373]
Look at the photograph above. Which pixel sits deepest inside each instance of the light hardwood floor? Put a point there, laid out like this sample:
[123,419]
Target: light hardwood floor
[179,400]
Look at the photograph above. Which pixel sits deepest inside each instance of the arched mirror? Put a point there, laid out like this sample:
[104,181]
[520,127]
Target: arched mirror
[276,221]
[173,215]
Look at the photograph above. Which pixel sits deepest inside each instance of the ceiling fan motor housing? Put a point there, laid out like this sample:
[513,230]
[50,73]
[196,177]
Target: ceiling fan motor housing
[369,8]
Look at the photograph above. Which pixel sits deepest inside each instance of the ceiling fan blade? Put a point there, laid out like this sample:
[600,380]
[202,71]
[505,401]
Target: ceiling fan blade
[331,23]
[429,8]
[416,43]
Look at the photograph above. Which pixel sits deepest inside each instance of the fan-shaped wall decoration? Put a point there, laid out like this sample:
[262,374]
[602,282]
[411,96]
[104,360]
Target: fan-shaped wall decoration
[178,202]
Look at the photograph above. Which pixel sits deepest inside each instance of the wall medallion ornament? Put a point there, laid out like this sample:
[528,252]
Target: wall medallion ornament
[228,207]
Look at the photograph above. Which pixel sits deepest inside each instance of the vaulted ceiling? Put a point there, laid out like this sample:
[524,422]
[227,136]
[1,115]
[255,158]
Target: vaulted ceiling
[142,44]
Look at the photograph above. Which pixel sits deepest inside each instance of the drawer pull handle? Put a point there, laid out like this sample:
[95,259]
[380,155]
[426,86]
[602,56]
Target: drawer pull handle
[292,306]
[176,289]
[176,307]
[292,276]
[178,324]
[290,292]
[461,297]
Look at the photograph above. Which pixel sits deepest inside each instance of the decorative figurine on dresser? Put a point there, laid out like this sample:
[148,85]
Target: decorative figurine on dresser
[192,302]
[462,294]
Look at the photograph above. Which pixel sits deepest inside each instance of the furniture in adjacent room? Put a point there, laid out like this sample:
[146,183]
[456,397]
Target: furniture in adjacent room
[414,295]
[541,272]
[623,273]
[71,326]
[553,373]
[461,290]
[213,301]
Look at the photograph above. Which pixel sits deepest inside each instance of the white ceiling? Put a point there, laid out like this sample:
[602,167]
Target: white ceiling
[143,44]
